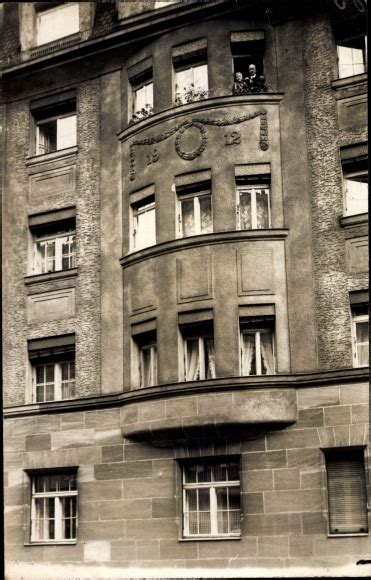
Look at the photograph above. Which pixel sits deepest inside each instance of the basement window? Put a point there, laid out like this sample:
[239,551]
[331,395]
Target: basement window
[211,499]
[346,491]
[54,507]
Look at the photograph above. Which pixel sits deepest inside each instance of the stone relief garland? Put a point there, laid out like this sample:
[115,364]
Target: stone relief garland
[199,123]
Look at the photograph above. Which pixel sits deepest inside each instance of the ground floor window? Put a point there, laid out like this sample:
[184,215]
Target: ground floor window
[211,499]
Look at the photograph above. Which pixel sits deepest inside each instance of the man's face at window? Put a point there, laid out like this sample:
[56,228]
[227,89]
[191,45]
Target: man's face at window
[252,70]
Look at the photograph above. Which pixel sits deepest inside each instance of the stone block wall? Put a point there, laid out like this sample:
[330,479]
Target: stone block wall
[129,492]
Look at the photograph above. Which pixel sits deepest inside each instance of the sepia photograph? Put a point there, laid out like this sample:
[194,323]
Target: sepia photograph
[185,289]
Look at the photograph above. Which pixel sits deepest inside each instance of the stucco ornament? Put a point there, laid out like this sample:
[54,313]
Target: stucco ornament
[196,152]
[199,123]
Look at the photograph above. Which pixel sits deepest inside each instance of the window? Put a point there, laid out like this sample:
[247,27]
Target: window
[164,3]
[355,179]
[57,22]
[142,90]
[257,346]
[146,344]
[352,56]
[55,133]
[248,48]
[198,351]
[253,203]
[211,499]
[346,490]
[54,242]
[194,209]
[190,69]
[53,368]
[143,223]
[360,329]
[54,507]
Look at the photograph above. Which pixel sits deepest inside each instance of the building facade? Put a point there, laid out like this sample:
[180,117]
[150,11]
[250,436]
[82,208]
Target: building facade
[186,287]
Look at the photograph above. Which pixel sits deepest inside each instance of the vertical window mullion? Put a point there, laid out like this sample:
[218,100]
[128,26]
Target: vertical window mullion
[258,353]
[213,511]
[58,518]
[238,211]
[57,381]
[197,213]
[201,351]
[254,220]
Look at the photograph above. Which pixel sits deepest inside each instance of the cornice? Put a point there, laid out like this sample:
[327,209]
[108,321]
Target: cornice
[157,393]
[213,103]
[202,240]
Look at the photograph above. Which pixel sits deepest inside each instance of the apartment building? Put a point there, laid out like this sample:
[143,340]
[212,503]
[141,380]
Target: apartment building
[185,287]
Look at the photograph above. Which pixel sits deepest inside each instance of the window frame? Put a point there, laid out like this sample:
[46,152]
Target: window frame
[152,348]
[49,119]
[58,381]
[58,496]
[262,326]
[138,208]
[355,319]
[347,174]
[55,9]
[213,485]
[189,62]
[242,188]
[183,195]
[364,49]
[59,239]
[331,453]
[200,332]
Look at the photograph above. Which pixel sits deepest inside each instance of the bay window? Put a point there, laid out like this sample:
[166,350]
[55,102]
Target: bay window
[257,346]
[146,356]
[198,351]
[194,209]
[190,72]
[142,94]
[253,203]
[143,223]
[54,507]
[211,499]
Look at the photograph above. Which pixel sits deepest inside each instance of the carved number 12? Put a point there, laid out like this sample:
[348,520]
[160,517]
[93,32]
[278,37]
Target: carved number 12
[233,138]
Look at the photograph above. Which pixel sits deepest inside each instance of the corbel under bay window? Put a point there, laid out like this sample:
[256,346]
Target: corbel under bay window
[253,202]
[194,209]
[211,499]
[257,346]
[54,507]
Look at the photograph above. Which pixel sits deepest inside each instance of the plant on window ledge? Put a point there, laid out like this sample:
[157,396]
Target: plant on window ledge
[145,112]
[190,94]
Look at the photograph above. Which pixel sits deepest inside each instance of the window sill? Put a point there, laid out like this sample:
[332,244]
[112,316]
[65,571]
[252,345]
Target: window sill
[56,543]
[58,275]
[353,220]
[350,535]
[210,539]
[61,153]
[349,81]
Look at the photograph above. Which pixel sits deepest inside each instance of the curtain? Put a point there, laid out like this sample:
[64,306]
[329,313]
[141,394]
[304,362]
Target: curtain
[266,348]
[210,358]
[248,348]
[192,360]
